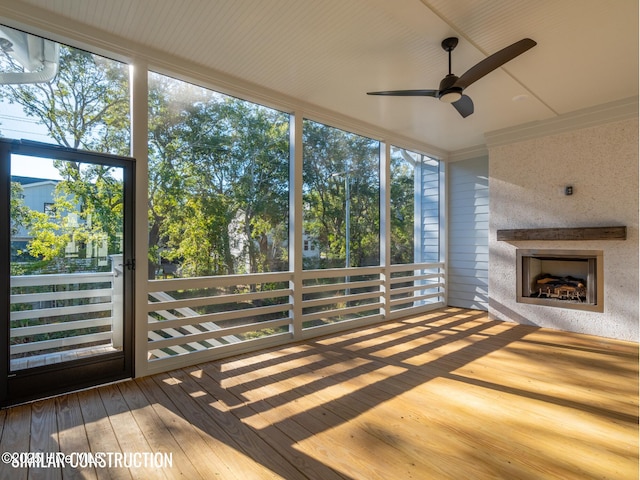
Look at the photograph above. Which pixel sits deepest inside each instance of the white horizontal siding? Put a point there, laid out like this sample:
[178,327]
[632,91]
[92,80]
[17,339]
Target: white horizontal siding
[468,234]
[430,211]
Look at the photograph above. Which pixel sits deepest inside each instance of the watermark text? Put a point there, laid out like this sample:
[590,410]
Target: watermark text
[88,459]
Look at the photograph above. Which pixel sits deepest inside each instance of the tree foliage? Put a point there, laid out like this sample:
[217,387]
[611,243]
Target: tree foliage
[402,207]
[85,106]
[341,169]
[219,171]
[218,188]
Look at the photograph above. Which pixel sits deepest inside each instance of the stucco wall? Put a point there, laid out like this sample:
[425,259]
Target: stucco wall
[526,190]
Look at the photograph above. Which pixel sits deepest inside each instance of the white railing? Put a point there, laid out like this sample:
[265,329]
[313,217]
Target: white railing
[190,317]
[340,294]
[416,285]
[63,312]
[231,313]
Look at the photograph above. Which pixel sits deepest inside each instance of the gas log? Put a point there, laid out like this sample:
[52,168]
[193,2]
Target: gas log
[561,288]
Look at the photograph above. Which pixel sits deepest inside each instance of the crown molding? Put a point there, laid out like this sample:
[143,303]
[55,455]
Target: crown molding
[618,110]
[476,151]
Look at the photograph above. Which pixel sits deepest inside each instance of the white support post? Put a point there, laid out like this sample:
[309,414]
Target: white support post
[117,300]
[296,222]
[385,227]
[139,151]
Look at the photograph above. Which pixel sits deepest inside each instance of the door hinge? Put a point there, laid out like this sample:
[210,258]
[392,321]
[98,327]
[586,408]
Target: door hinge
[130,264]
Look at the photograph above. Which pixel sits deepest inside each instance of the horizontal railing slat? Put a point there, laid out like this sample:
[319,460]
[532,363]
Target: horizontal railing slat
[417,298]
[68,295]
[54,312]
[63,279]
[414,266]
[215,300]
[327,287]
[60,327]
[59,343]
[339,299]
[307,317]
[181,340]
[171,285]
[426,276]
[415,288]
[226,315]
[340,272]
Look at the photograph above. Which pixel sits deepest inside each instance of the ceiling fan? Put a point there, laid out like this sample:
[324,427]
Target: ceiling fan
[451,86]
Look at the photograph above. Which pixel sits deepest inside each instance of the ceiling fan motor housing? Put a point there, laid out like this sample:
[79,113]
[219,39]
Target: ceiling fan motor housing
[448,92]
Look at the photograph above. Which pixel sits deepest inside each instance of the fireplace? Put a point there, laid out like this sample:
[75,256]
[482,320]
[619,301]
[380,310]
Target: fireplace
[561,278]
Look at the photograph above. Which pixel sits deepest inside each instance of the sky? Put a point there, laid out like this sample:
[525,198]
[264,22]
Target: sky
[14,124]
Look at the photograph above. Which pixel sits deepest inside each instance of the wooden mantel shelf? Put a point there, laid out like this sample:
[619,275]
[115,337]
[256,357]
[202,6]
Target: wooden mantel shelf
[586,233]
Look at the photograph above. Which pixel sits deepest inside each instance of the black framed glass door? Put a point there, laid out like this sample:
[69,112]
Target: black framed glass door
[67,260]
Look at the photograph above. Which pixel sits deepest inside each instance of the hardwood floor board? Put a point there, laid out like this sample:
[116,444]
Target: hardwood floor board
[15,440]
[262,419]
[44,438]
[241,436]
[157,435]
[131,439]
[446,395]
[100,433]
[334,413]
[314,417]
[236,366]
[351,446]
[72,436]
[200,452]
[557,385]
[216,437]
[452,429]
[400,436]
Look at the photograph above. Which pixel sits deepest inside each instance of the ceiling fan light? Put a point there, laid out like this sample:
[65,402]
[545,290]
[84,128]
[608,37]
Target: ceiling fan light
[450,97]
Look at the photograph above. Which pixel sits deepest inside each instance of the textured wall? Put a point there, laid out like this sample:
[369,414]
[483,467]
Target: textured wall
[526,185]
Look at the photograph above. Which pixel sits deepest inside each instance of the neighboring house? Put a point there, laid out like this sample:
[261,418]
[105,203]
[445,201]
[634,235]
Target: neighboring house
[39,196]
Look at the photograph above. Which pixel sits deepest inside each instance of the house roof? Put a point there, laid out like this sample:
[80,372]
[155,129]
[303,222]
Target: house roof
[31,180]
[323,56]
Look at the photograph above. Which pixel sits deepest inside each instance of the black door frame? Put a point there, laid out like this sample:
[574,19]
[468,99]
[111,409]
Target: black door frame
[39,382]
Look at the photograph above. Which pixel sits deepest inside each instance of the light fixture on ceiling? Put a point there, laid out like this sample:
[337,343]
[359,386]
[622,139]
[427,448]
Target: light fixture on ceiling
[451,97]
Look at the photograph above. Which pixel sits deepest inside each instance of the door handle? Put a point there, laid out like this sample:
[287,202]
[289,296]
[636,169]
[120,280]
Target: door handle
[130,264]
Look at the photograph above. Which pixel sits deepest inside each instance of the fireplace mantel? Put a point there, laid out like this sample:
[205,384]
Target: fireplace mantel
[580,233]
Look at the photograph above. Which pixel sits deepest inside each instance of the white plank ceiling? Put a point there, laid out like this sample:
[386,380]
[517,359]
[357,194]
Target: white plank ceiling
[329,53]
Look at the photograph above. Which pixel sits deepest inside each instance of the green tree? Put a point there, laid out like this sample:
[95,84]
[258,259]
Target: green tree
[19,212]
[85,106]
[341,167]
[218,181]
[402,207]
[188,207]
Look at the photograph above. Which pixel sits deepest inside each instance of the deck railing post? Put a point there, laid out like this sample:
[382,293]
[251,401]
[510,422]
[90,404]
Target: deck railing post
[117,300]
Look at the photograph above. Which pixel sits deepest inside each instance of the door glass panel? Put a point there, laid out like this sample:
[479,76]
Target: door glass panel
[66,261]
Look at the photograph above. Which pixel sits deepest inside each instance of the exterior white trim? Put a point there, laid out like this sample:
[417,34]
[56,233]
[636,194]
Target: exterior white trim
[625,109]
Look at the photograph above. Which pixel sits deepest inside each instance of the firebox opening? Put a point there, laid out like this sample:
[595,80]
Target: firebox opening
[561,278]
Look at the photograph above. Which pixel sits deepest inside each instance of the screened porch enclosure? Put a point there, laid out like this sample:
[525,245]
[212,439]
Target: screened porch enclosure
[256,225]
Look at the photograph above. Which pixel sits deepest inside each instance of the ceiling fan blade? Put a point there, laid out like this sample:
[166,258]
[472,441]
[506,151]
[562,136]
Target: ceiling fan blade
[407,93]
[494,61]
[464,106]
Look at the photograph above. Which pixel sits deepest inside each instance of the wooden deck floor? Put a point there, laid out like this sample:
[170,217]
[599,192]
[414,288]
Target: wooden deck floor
[448,395]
